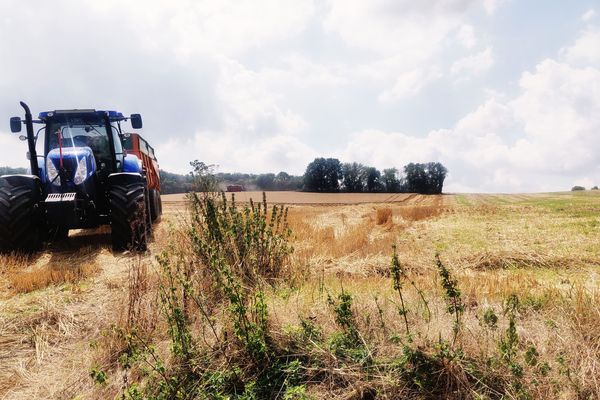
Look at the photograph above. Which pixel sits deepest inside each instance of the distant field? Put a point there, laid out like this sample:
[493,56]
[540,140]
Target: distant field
[308,198]
[299,198]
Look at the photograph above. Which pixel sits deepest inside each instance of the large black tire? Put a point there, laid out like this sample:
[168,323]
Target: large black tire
[129,216]
[155,205]
[159,204]
[20,219]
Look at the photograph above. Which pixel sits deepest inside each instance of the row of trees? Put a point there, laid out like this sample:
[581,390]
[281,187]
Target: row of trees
[330,175]
[269,181]
[12,171]
[325,175]
[581,188]
[175,183]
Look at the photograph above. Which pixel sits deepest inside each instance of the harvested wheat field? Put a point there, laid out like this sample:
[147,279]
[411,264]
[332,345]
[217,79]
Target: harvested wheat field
[337,297]
[308,198]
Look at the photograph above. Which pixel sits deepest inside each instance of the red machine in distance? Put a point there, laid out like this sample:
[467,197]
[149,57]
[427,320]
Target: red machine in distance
[133,143]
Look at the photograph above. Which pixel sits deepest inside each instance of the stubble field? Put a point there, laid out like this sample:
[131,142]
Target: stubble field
[526,266]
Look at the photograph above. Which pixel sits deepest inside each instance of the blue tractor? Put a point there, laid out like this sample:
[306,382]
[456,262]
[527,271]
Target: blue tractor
[82,179]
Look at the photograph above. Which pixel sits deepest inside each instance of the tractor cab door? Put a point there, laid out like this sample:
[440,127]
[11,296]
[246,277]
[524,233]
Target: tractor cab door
[119,153]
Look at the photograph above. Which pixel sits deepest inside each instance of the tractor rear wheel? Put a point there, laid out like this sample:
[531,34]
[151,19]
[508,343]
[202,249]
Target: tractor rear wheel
[20,223]
[129,216]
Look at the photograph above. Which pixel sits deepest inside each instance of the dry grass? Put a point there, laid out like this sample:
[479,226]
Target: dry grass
[23,282]
[419,213]
[543,248]
[26,274]
[497,246]
[53,307]
[383,216]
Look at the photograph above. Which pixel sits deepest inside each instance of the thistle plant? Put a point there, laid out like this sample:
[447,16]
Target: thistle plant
[452,295]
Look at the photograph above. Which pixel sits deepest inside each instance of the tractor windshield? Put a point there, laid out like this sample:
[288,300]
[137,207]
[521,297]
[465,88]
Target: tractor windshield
[80,132]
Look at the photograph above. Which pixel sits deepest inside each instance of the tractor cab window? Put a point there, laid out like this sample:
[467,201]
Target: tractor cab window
[78,132]
[127,142]
[117,141]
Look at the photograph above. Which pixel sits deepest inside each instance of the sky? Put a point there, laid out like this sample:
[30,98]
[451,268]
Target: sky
[505,93]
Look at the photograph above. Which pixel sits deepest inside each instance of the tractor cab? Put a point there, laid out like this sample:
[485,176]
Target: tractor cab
[80,145]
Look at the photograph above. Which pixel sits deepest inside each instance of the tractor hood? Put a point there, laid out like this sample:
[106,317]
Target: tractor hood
[78,162]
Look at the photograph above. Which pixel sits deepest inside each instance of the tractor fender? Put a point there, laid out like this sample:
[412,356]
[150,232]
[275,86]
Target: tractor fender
[125,178]
[132,164]
[30,181]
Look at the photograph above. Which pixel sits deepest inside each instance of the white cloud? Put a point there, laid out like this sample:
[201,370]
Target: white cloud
[13,150]
[589,15]
[229,153]
[474,64]
[410,83]
[557,119]
[210,27]
[585,51]
[268,84]
[585,182]
[491,6]
[466,36]
[249,107]
[256,134]
[403,41]
[415,29]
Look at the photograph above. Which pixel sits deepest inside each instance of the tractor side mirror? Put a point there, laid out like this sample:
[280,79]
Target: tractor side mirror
[136,121]
[15,124]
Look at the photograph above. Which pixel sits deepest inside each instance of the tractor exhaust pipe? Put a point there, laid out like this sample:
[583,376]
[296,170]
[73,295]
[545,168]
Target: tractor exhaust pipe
[31,140]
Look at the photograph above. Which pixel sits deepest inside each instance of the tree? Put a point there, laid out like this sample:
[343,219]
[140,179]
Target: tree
[372,179]
[390,180]
[203,177]
[416,178]
[283,178]
[577,188]
[285,181]
[323,175]
[175,183]
[352,174]
[425,178]
[265,181]
[12,171]
[436,174]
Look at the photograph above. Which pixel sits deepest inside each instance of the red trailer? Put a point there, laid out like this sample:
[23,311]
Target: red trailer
[137,145]
[235,188]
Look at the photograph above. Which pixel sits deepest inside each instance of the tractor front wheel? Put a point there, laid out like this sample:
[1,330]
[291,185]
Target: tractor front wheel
[20,224]
[129,216]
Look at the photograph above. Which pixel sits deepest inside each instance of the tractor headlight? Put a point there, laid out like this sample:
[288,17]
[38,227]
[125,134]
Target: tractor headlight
[81,173]
[52,172]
